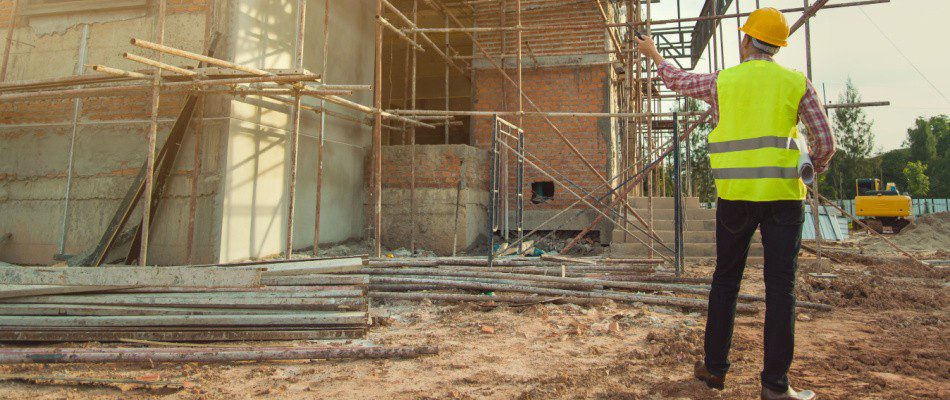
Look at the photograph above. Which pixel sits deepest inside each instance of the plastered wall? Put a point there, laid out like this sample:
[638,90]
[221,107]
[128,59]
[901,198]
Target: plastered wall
[241,196]
[108,142]
[254,193]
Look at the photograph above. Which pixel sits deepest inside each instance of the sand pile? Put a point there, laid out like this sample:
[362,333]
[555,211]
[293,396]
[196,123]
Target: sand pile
[930,232]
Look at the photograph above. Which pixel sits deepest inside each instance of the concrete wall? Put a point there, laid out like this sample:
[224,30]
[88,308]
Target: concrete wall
[242,187]
[110,138]
[438,169]
[254,192]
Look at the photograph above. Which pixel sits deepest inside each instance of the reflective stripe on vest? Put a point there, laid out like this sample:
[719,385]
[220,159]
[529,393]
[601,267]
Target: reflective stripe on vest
[752,150]
[753,144]
[756,173]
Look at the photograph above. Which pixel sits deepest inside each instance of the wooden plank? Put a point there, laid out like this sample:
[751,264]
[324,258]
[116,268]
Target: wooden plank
[207,335]
[132,276]
[296,319]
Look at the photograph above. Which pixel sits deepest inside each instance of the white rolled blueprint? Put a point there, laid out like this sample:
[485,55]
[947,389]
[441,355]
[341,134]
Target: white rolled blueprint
[806,170]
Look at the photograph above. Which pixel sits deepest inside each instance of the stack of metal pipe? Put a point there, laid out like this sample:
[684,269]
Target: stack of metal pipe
[527,280]
[252,301]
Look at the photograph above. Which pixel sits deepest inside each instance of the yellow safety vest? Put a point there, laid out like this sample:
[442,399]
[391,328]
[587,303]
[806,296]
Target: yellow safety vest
[752,150]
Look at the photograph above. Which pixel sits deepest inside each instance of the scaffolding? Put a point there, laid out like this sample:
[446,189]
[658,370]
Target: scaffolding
[648,133]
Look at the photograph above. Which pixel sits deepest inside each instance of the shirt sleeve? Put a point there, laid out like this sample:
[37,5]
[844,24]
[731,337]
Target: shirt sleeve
[695,85]
[821,140]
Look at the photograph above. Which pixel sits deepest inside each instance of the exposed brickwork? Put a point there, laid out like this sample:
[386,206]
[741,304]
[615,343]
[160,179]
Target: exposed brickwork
[6,13]
[568,88]
[38,111]
[129,107]
[186,6]
[437,166]
[590,40]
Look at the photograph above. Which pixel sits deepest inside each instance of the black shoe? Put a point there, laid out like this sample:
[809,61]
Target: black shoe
[703,374]
[790,394]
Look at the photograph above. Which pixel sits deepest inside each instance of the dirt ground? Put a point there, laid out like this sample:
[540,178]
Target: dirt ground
[885,339]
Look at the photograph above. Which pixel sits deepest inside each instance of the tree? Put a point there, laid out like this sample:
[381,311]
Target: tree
[922,142]
[851,125]
[918,183]
[892,165]
[852,130]
[928,142]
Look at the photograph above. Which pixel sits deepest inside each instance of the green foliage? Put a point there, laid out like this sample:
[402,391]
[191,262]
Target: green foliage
[852,130]
[918,183]
[928,142]
[851,125]
[891,168]
[922,141]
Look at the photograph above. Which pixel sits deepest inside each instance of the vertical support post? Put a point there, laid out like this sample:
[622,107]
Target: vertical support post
[722,39]
[712,32]
[378,136]
[295,133]
[446,72]
[677,199]
[519,191]
[738,32]
[321,135]
[815,206]
[210,41]
[520,200]
[80,68]
[412,137]
[458,205]
[493,192]
[152,137]
[649,119]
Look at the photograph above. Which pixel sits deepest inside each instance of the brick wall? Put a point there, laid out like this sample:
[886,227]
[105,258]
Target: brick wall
[590,40]
[437,166]
[565,88]
[6,13]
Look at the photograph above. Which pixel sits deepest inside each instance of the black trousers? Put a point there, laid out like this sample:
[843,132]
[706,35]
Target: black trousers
[781,226]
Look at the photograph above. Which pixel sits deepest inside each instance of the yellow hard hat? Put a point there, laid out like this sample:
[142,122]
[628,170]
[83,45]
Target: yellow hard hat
[768,25]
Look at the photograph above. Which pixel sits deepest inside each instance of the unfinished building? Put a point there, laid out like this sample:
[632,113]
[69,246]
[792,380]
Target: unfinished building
[401,147]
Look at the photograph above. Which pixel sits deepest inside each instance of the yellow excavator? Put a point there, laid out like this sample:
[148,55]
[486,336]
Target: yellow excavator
[881,206]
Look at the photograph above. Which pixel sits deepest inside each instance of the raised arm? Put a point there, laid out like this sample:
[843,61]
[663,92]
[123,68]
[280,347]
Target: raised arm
[697,86]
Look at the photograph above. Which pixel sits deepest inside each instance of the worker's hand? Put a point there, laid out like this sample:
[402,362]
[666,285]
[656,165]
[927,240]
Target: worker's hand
[647,47]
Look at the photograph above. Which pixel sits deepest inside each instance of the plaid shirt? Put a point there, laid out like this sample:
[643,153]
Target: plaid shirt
[821,141]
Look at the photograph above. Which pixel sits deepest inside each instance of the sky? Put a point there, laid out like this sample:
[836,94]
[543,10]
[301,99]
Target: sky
[856,42]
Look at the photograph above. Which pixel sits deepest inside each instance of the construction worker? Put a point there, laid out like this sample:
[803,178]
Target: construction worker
[755,106]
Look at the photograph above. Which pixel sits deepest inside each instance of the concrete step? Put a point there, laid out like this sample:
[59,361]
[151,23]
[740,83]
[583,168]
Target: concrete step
[703,250]
[663,202]
[667,214]
[691,225]
[667,236]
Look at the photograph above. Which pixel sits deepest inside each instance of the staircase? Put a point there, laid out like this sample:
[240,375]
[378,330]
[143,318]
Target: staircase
[699,232]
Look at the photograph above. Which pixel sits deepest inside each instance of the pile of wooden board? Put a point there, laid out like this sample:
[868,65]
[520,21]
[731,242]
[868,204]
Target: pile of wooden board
[254,301]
